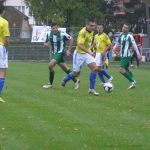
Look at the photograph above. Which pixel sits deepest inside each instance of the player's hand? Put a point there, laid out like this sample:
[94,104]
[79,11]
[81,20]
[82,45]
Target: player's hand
[68,53]
[139,57]
[91,53]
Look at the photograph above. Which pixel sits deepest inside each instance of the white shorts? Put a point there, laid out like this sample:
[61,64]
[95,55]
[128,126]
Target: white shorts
[99,59]
[3,57]
[80,59]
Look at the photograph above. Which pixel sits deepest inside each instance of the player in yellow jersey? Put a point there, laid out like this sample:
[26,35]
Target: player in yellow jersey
[102,44]
[4,39]
[83,53]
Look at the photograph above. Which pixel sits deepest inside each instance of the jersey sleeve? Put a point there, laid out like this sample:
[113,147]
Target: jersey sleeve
[67,37]
[6,29]
[134,44]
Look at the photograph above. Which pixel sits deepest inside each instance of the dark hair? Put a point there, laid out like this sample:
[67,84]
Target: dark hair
[53,24]
[128,25]
[90,20]
[2,8]
[100,24]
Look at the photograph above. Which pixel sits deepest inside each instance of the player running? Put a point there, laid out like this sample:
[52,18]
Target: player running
[126,42]
[83,54]
[57,41]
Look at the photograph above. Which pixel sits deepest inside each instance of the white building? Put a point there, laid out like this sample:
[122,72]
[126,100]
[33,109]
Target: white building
[21,6]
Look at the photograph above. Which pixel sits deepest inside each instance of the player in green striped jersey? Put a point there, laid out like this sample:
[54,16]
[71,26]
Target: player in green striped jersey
[57,41]
[126,42]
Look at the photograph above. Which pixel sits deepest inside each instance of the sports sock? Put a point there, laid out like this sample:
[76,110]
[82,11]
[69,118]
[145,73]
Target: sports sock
[2,80]
[92,80]
[51,77]
[100,74]
[69,77]
[74,79]
[131,74]
[128,76]
[105,73]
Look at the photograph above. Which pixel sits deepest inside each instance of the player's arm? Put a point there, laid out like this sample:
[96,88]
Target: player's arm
[47,42]
[81,46]
[135,47]
[70,43]
[6,41]
[6,34]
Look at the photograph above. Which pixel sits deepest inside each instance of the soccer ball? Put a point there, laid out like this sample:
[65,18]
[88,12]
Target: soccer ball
[108,87]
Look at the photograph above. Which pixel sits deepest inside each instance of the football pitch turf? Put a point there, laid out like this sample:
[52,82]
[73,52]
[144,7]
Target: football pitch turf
[33,118]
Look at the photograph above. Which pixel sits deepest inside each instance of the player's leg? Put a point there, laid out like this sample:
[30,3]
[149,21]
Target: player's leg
[124,67]
[137,60]
[3,67]
[90,61]
[78,61]
[52,64]
[67,70]
[103,72]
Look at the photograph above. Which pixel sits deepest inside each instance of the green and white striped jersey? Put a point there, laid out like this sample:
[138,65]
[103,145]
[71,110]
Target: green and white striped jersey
[58,41]
[126,41]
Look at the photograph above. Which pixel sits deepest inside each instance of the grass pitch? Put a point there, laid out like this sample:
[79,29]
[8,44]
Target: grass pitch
[33,118]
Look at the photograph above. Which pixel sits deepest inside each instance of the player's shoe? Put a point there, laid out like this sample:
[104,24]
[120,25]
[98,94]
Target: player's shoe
[110,79]
[77,84]
[131,65]
[132,85]
[1,100]
[47,86]
[93,92]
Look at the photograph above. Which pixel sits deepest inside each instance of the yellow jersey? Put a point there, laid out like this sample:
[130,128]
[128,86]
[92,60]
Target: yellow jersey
[101,41]
[84,38]
[4,30]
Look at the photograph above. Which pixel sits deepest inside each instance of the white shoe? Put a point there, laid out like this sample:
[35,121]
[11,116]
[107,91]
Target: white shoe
[47,86]
[1,100]
[76,84]
[132,85]
[131,65]
[110,80]
[93,92]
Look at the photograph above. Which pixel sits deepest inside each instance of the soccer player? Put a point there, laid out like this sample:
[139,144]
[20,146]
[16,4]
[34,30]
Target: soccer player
[83,54]
[4,40]
[57,41]
[126,41]
[102,44]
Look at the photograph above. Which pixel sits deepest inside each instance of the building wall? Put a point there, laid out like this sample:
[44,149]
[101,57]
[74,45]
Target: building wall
[21,6]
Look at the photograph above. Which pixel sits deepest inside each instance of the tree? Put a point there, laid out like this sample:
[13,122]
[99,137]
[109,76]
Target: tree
[65,12]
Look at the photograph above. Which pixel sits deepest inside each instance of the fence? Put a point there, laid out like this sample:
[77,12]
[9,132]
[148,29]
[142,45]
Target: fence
[22,49]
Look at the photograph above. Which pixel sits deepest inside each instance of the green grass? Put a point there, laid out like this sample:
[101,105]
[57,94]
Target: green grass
[64,119]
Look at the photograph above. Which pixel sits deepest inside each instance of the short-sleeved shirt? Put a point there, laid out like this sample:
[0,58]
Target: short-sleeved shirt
[85,37]
[101,41]
[126,40]
[4,30]
[58,41]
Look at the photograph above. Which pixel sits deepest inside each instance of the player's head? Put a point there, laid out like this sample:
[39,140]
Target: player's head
[126,28]
[100,28]
[90,25]
[2,9]
[54,27]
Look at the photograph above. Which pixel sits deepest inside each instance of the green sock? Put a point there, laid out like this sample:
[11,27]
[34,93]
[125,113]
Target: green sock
[74,79]
[51,77]
[128,76]
[131,74]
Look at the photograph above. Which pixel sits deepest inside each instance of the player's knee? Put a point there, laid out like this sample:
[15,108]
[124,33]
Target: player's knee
[122,71]
[96,69]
